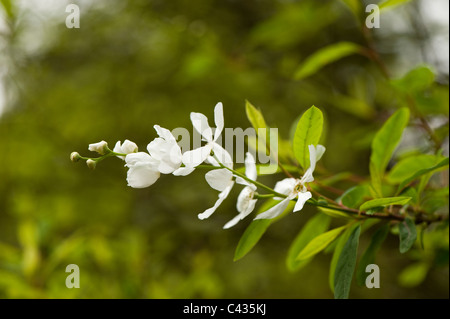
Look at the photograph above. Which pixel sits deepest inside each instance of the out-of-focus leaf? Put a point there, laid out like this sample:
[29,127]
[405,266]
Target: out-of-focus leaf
[255,116]
[384,144]
[422,172]
[415,80]
[256,230]
[407,234]
[319,243]
[354,196]
[410,166]
[354,6]
[314,227]
[383,202]
[414,274]
[390,4]
[352,105]
[309,130]
[325,56]
[369,255]
[335,213]
[346,266]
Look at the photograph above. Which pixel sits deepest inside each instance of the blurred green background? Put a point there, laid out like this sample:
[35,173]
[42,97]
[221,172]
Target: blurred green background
[133,64]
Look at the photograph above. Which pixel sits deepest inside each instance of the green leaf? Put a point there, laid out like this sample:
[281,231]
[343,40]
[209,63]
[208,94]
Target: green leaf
[254,116]
[422,172]
[414,274]
[391,3]
[314,227]
[410,166]
[319,243]
[354,6]
[415,80]
[308,131]
[369,255]
[354,196]
[256,230]
[340,243]
[407,234]
[384,144]
[324,56]
[346,266]
[383,202]
[352,105]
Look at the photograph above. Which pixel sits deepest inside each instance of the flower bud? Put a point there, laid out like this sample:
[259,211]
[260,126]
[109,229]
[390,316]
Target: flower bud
[91,163]
[100,147]
[75,157]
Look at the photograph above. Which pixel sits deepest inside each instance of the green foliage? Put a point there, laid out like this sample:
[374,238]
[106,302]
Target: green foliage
[308,132]
[384,144]
[383,202]
[325,56]
[345,266]
[319,243]
[407,234]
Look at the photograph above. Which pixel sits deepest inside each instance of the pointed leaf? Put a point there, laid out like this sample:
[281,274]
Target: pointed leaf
[314,227]
[383,202]
[324,56]
[384,144]
[346,266]
[319,243]
[308,131]
[407,234]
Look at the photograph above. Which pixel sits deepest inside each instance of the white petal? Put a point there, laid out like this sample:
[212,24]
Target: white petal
[183,171]
[320,149]
[232,222]
[275,210]
[140,157]
[244,198]
[242,215]
[118,149]
[200,123]
[301,200]
[218,120]
[164,133]
[222,154]
[155,147]
[250,166]
[312,157]
[140,176]
[197,156]
[286,186]
[219,179]
[222,197]
[308,176]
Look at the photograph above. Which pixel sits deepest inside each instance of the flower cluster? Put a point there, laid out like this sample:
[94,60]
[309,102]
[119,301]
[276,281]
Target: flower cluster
[164,156]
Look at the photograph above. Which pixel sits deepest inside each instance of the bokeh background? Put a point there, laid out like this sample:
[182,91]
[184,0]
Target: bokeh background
[133,64]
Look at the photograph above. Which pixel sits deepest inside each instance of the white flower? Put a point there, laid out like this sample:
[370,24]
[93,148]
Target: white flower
[166,150]
[219,179]
[127,147]
[293,187]
[245,202]
[193,158]
[99,147]
[142,169]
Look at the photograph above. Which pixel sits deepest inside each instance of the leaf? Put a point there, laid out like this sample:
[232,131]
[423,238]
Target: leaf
[346,266]
[407,234]
[319,243]
[352,105]
[324,56]
[383,202]
[384,144]
[391,3]
[308,131]
[354,6]
[354,196]
[410,166]
[415,80]
[314,227]
[369,255]
[254,116]
[422,172]
[414,274]
[256,230]
[340,243]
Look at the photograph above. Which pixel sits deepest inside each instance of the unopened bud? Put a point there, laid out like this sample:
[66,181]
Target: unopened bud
[75,157]
[91,163]
[100,147]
